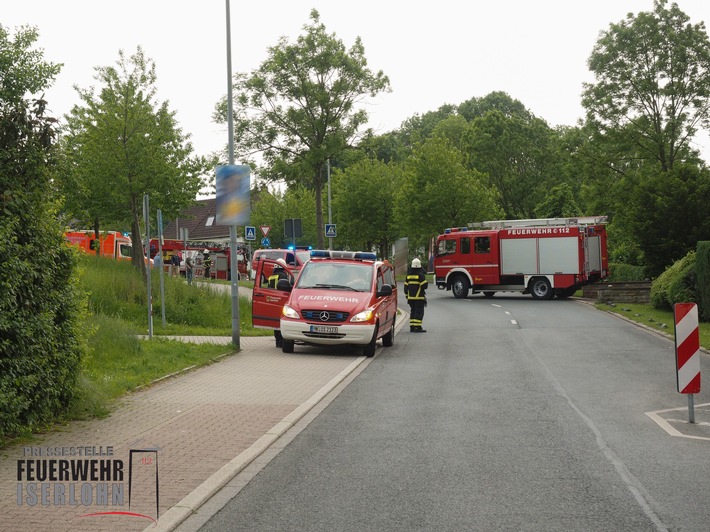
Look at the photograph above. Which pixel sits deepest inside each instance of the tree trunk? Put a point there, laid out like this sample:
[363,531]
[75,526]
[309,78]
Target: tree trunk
[318,187]
[136,242]
[97,236]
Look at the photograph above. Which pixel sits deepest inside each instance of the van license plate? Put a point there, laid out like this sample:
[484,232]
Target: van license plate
[327,329]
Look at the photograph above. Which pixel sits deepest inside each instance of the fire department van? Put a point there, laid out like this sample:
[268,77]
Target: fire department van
[544,257]
[338,298]
[293,257]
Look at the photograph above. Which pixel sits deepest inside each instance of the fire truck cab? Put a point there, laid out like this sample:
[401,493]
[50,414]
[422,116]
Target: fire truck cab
[544,257]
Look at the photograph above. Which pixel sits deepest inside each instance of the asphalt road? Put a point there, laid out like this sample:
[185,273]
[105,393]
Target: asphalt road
[509,414]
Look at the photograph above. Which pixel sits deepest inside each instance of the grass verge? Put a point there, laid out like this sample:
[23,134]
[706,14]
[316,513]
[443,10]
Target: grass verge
[660,320]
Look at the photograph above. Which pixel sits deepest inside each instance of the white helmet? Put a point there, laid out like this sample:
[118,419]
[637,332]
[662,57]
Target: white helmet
[416,263]
[281,262]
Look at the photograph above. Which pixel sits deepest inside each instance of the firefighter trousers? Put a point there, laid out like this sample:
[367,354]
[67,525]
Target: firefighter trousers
[416,315]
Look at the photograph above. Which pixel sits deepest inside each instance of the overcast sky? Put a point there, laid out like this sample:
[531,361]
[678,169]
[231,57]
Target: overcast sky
[433,52]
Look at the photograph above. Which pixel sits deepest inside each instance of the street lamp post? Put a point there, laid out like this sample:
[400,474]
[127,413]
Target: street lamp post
[232,228]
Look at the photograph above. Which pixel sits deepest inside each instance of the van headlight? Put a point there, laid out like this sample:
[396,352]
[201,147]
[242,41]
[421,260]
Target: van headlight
[365,315]
[288,312]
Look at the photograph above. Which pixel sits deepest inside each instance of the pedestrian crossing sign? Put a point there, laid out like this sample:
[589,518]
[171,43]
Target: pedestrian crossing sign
[250,232]
[330,230]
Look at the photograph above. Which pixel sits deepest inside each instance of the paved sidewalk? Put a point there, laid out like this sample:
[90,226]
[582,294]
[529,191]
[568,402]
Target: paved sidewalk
[196,430]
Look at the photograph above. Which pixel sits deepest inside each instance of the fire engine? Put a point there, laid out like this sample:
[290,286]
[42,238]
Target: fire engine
[220,257]
[543,257]
[109,244]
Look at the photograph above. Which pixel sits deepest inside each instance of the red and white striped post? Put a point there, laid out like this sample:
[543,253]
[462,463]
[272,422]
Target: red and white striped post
[687,352]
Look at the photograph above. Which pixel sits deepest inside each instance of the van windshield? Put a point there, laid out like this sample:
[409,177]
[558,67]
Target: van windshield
[336,276]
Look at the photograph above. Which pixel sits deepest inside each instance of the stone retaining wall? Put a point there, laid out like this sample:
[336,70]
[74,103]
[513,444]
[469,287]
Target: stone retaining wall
[629,292]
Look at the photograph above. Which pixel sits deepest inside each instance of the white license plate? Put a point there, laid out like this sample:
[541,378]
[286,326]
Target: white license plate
[326,329]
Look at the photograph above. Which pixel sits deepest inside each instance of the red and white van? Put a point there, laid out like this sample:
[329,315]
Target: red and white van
[293,257]
[338,298]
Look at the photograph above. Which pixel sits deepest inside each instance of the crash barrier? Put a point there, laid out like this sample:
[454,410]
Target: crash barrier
[627,292]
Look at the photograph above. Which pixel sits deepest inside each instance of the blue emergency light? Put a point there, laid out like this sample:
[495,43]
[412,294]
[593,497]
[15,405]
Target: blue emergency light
[357,255]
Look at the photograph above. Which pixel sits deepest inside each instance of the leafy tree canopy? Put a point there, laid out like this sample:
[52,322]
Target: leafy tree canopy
[121,144]
[439,191]
[302,106]
[652,83]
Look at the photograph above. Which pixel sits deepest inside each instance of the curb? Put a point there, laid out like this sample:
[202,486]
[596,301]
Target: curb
[171,519]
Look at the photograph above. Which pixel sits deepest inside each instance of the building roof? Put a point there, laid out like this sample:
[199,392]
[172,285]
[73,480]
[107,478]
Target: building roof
[200,221]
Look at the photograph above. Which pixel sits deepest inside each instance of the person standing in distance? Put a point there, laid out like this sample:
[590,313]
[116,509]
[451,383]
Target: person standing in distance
[207,263]
[277,274]
[189,271]
[415,285]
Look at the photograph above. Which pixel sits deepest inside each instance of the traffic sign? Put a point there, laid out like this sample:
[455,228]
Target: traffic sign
[265,229]
[330,231]
[250,232]
[265,242]
[687,341]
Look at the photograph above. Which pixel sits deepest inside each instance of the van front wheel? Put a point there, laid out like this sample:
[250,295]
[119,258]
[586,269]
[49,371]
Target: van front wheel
[369,350]
[287,346]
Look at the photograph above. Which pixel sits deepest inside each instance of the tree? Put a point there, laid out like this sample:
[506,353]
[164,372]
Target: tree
[559,203]
[666,214]
[41,340]
[364,205]
[652,85]
[438,191]
[300,107]
[273,208]
[121,144]
[514,150]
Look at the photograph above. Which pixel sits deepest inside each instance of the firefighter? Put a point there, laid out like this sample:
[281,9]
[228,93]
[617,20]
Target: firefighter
[279,272]
[207,263]
[415,286]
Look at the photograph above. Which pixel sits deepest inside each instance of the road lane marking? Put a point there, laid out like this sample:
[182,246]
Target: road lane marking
[670,429]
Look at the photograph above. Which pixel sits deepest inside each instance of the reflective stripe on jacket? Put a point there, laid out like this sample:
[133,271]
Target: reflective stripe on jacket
[415,285]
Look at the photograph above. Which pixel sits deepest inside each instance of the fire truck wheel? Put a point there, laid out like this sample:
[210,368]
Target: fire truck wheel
[540,288]
[488,294]
[460,287]
[287,346]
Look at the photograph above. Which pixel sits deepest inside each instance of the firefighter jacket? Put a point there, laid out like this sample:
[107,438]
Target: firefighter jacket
[415,285]
[273,280]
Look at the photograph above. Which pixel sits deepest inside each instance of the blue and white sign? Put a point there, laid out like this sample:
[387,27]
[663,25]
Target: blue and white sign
[265,242]
[330,231]
[250,232]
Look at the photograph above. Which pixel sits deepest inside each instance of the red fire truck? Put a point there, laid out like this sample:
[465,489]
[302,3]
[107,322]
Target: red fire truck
[220,257]
[542,257]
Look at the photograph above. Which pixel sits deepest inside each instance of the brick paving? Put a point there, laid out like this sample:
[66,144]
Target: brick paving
[202,423]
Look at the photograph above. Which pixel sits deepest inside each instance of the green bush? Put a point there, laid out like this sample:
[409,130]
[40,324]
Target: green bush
[702,269]
[41,341]
[677,284]
[620,273]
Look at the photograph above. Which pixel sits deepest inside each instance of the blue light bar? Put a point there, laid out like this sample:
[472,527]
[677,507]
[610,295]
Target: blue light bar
[357,255]
[320,254]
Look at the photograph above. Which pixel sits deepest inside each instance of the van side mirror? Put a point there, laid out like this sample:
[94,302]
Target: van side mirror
[284,285]
[385,291]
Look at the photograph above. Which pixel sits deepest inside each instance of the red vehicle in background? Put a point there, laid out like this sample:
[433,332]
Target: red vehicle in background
[109,244]
[545,257]
[220,268]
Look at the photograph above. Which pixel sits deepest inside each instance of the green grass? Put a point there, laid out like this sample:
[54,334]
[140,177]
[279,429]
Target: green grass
[117,361]
[654,318]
